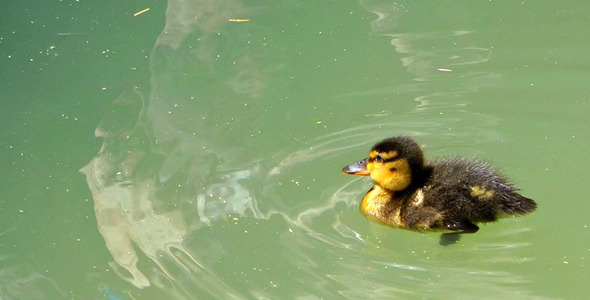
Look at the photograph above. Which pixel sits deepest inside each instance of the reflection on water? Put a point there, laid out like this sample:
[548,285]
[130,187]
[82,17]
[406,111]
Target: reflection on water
[194,201]
[160,176]
[15,285]
[434,57]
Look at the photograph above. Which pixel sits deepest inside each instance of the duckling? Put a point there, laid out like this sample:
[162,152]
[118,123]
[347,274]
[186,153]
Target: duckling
[448,194]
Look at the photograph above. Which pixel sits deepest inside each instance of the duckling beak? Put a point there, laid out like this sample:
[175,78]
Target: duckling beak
[358,168]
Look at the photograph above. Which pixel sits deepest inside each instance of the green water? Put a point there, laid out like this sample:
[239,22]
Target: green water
[178,155]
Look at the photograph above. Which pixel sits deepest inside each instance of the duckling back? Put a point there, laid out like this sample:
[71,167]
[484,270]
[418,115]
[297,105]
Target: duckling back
[471,189]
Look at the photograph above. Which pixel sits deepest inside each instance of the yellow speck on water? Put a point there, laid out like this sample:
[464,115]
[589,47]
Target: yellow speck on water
[141,12]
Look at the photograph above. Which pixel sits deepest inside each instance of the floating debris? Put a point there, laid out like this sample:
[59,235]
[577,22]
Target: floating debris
[141,12]
[70,33]
[239,20]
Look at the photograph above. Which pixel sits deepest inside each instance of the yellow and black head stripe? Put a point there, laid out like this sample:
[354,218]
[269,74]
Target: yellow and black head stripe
[401,147]
[383,157]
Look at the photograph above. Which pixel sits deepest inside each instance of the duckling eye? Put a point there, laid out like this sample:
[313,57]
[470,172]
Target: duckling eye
[378,158]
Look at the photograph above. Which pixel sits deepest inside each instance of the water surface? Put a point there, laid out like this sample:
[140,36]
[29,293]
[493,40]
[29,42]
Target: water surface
[179,154]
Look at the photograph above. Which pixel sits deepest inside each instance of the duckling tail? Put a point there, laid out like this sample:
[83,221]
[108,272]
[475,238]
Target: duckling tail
[517,204]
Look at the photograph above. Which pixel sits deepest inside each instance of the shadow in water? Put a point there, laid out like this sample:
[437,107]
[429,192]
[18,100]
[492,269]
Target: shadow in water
[450,238]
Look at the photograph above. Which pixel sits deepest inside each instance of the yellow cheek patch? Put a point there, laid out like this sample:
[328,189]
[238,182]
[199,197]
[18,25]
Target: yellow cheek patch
[394,176]
[481,193]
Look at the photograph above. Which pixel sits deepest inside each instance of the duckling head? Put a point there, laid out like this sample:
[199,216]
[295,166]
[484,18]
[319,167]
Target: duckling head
[392,163]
